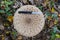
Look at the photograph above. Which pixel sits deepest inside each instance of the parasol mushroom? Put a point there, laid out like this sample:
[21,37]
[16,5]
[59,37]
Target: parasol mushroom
[28,25]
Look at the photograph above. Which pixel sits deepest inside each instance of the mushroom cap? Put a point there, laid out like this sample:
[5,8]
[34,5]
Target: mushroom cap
[28,25]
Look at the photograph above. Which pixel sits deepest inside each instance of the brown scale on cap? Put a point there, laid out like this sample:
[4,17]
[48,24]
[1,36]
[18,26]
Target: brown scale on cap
[28,20]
